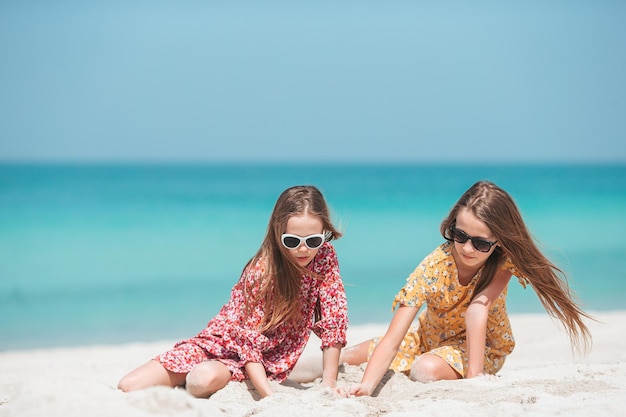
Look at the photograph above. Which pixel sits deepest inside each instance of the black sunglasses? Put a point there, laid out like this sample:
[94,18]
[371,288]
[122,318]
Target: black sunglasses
[294,241]
[480,244]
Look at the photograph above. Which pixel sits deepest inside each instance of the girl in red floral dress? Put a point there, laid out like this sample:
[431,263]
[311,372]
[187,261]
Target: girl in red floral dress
[290,287]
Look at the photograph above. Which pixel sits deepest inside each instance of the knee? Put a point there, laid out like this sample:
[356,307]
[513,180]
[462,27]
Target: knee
[203,381]
[197,383]
[128,384]
[424,369]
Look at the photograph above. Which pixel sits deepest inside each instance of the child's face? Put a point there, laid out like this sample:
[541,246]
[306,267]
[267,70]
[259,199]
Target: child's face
[303,225]
[472,226]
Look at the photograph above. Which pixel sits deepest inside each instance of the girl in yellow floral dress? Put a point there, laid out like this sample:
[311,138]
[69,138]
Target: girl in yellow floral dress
[464,330]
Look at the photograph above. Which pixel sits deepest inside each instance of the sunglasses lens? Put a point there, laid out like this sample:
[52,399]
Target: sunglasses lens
[481,245]
[291,242]
[314,242]
[459,236]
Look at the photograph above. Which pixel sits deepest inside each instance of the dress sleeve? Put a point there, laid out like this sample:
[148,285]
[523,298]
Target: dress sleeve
[509,266]
[332,326]
[431,271]
[411,295]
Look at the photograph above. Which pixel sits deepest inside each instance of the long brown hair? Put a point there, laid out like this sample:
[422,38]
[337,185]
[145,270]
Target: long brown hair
[495,207]
[280,284]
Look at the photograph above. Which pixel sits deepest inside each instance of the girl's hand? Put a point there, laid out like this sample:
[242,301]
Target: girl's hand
[343,392]
[488,377]
[356,390]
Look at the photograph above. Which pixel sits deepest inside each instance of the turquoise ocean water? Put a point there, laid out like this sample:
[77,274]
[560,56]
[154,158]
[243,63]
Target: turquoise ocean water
[118,253]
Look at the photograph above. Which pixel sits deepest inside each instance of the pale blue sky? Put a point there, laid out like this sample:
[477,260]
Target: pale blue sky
[499,81]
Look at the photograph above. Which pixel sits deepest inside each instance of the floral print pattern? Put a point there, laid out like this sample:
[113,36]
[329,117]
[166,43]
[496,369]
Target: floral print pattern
[441,326]
[231,336]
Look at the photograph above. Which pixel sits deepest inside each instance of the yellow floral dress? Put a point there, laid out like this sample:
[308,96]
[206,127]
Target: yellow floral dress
[441,328]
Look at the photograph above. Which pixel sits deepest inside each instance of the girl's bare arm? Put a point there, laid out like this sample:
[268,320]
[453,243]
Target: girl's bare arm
[385,351]
[476,322]
[256,373]
[330,360]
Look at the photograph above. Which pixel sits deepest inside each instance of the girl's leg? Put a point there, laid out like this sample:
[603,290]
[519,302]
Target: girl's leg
[309,368]
[355,355]
[429,368]
[206,378]
[149,375]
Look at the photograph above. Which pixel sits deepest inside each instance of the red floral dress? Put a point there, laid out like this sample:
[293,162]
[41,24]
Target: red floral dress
[233,339]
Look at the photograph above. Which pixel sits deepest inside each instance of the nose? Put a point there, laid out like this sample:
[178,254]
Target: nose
[468,246]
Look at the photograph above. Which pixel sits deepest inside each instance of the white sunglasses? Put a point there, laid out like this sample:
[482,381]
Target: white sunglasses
[293,241]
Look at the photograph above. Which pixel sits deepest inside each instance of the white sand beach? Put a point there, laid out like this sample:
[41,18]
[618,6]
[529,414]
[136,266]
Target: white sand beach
[541,378]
